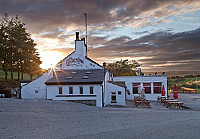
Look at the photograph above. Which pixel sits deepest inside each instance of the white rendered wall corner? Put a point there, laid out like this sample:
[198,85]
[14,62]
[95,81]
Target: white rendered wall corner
[114,95]
[36,88]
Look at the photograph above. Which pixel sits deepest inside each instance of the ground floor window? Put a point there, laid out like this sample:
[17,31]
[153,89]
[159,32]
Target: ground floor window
[157,88]
[81,90]
[70,90]
[113,97]
[60,90]
[119,92]
[91,90]
[135,88]
[147,87]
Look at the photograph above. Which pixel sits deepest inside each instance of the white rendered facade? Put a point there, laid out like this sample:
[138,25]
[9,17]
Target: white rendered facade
[77,60]
[143,80]
[105,92]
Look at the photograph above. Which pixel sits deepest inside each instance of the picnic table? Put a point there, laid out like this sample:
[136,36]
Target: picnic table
[146,102]
[167,101]
[175,104]
[140,101]
[163,99]
[159,98]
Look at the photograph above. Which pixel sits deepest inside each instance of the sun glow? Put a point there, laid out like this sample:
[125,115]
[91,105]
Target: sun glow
[50,58]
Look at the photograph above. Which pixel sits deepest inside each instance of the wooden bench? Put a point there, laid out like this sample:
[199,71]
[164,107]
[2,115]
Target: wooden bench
[175,104]
[160,98]
[163,99]
[167,101]
[146,102]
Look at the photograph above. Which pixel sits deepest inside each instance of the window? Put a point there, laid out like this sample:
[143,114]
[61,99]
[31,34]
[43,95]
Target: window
[119,92]
[91,90]
[157,88]
[135,88]
[70,90]
[60,90]
[81,90]
[147,87]
[113,97]
[36,91]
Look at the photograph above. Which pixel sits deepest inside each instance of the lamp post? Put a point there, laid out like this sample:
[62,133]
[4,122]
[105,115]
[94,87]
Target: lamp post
[103,94]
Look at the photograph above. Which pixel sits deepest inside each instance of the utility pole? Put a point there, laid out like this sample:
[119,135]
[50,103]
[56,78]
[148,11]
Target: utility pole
[85,14]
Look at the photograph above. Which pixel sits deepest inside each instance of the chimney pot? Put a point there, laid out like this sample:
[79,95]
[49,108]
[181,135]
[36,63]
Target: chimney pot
[77,36]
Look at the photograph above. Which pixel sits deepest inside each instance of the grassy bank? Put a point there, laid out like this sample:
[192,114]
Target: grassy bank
[15,75]
[185,84]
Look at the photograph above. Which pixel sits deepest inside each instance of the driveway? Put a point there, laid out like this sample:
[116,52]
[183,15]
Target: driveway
[43,119]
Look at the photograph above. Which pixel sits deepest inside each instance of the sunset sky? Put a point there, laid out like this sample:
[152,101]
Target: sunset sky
[162,35]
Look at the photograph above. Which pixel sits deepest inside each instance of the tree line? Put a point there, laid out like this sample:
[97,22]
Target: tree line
[17,49]
[123,67]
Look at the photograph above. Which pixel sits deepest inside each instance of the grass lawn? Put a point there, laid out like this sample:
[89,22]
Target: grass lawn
[26,76]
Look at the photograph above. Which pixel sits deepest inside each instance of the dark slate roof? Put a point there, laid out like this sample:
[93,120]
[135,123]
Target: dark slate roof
[72,77]
[119,83]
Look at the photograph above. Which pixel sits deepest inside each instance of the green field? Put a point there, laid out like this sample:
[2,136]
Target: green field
[188,83]
[26,76]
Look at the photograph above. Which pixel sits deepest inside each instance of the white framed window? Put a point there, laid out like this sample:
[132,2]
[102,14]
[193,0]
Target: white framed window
[60,90]
[70,90]
[147,87]
[81,89]
[135,87]
[91,90]
[157,87]
[113,97]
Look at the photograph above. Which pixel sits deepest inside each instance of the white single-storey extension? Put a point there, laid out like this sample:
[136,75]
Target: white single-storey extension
[152,84]
[79,78]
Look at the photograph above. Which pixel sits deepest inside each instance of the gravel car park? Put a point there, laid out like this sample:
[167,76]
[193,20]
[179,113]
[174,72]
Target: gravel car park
[22,119]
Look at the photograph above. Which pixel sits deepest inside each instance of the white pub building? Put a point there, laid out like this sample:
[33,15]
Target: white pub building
[79,78]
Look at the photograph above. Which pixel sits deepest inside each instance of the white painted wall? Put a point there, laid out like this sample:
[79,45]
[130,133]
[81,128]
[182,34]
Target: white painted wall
[142,79]
[53,91]
[28,90]
[119,98]
[80,53]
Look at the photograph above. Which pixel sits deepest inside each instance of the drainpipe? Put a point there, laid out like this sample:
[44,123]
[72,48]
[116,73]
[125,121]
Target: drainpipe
[104,66]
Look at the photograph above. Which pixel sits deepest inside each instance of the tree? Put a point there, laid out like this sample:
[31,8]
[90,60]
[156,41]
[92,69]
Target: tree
[4,45]
[123,67]
[17,49]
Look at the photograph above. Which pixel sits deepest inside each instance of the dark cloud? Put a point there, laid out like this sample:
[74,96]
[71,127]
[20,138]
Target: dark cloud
[162,50]
[49,14]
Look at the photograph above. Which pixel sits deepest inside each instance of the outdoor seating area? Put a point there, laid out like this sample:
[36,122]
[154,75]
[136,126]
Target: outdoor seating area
[141,101]
[170,102]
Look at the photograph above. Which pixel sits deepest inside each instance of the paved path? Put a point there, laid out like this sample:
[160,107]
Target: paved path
[190,100]
[42,119]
